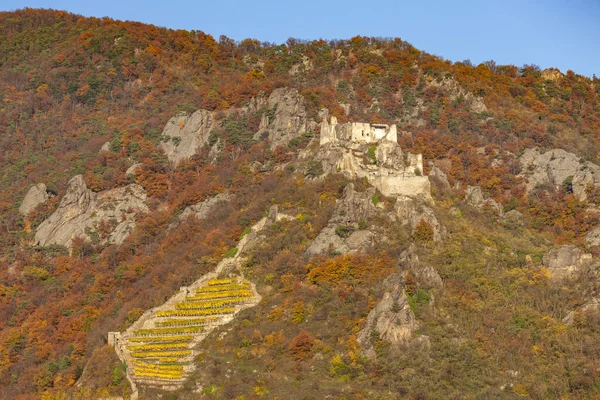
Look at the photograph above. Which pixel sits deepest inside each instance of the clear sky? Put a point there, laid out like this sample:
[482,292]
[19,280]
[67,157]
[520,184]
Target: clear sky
[551,33]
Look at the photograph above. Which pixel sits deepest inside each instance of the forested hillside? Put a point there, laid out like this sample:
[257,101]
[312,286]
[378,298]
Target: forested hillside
[477,293]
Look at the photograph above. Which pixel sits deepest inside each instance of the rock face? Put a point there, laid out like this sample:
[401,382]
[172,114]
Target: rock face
[476,198]
[439,178]
[371,151]
[411,211]
[284,119]
[343,233]
[288,116]
[556,167]
[204,208]
[392,319]
[425,275]
[35,196]
[106,217]
[552,74]
[566,260]
[185,134]
[591,306]
[593,237]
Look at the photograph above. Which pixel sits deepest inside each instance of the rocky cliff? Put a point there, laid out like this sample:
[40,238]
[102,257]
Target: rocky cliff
[348,230]
[185,134]
[559,168]
[105,217]
[286,118]
[283,117]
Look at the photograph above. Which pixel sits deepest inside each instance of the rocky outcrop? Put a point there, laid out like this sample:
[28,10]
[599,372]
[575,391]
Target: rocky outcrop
[593,237]
[560,169]
[565,261]
[105,217]
[35,196]
[391,319]
[185,134]
[204,208]
[287,117]
[425,275]
[591,306]
[283,118]
[346,231]
[451,88]
[439,178]
[477,199]
[371,151]
[410,211]
[552,74]
[513,219]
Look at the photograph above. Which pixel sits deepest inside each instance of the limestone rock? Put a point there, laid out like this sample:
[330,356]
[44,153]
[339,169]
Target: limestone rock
[513,218]
[551,74]
[105,146]
[82,212]
[185,134]
[342,233]
[439,178]
[133,169]
[425,275]
[591,306]
[289,119]
[35,196]
[454,90]
[554,168]
[411,211]
[476,198]
[392,319]
[203,209]
[305,66]
[593,237]
[565,261]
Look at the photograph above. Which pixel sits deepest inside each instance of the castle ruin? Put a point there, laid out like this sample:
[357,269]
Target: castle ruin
[371,151]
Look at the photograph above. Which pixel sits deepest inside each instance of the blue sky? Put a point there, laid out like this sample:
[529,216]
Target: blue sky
[553,33]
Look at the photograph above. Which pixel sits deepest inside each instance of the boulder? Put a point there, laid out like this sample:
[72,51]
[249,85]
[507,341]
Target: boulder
[35,196]
[556,168]
[107,216]
[513,218]
[565,261]
[185,134]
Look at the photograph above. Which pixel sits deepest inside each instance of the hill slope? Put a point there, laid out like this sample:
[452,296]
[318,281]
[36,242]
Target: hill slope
[372,289]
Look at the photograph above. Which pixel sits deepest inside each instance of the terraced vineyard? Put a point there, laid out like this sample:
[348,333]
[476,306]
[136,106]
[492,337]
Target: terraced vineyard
[161,352]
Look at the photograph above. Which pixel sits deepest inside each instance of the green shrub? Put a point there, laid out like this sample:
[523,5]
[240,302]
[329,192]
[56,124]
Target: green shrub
[231,253]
